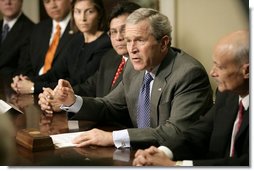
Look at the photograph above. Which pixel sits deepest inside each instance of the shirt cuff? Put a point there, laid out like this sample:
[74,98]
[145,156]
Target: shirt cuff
[75,107]
[121,139]
[187,163]
[167,151]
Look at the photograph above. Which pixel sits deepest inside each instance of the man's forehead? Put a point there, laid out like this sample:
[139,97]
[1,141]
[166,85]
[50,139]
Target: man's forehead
[138,27]
[117,25]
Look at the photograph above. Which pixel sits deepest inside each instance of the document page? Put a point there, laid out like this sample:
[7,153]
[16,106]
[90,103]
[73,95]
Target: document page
[4,107]
[64,140]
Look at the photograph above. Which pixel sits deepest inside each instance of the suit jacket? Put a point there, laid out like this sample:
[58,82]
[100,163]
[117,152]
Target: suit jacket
[208,140]
[100,84]
[39,45]
[80,61]
[14,47]
[181,93]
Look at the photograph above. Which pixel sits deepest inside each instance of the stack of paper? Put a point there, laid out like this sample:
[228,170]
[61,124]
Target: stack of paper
[64,140]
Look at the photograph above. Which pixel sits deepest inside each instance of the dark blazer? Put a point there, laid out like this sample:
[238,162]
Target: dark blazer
[181,93]
[208,141]
[80,61]
[39,45]
[100,84]
[14,47]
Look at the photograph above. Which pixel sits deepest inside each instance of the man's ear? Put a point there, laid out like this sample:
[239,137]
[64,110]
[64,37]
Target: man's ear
[165,42]
[246,70]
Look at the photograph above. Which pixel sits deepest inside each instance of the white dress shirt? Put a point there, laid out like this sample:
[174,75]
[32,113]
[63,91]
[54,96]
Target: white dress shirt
[11,22]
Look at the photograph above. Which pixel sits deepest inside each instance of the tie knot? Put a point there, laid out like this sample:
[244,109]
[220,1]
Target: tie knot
[58,28]
[122,62]
[148,78]
[6,27]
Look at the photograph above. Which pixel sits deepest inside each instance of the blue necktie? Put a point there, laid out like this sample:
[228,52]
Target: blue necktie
[143,108]
[5,32]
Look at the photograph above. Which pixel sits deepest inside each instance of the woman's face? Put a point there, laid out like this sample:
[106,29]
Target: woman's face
[86,16]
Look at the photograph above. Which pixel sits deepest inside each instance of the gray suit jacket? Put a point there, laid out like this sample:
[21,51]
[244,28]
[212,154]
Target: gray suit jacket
[181,93]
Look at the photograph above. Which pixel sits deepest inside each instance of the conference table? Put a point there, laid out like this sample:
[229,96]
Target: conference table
[14,154]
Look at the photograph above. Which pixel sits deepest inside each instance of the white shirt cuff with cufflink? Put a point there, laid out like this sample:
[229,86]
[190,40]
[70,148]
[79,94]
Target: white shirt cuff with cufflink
[121,139]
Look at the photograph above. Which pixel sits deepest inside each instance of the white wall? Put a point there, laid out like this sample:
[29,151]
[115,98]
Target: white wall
[168,7]
[31,9]
[198,24]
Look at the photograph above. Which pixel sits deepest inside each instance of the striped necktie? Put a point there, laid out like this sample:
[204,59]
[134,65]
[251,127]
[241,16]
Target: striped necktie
[5,31]
[143,107]
[237,127]
[119,70]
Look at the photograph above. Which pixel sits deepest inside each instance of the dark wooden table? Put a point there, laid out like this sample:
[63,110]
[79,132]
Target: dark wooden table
[13,154]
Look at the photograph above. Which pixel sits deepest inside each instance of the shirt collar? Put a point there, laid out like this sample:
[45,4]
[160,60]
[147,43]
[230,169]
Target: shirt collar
[153,72]
[125,58]
[63,24]
[245,101]
[11,22]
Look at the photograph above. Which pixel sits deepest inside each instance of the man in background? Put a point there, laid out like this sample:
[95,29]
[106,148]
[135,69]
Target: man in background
[15,30]
[40,57]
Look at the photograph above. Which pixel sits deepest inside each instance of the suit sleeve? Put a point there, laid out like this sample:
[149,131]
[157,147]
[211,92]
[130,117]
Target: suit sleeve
[50,79]
[88,88]
[228,161]
[107,109]
[196,142]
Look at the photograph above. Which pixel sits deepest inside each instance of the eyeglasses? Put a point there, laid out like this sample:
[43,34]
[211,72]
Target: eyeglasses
[113,32]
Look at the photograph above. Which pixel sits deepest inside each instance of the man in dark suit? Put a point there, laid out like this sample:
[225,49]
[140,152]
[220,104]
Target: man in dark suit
[221,137]
[15,31]
[180,89]
[41,38]
[100,84]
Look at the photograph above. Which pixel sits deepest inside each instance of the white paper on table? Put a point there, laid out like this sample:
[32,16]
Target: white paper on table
[64,140]
[4,107]
[14,107]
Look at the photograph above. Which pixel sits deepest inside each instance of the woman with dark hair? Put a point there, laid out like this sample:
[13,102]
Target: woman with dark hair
[82,57]
[99,6]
